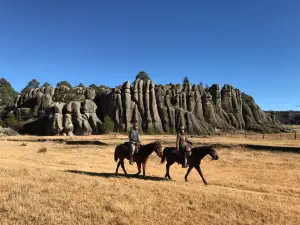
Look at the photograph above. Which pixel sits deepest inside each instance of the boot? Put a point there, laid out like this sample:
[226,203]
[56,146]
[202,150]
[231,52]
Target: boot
[131,159]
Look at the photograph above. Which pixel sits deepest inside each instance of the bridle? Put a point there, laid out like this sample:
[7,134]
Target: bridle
[213,153]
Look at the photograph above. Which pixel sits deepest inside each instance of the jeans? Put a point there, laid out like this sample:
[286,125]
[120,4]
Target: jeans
[132,149]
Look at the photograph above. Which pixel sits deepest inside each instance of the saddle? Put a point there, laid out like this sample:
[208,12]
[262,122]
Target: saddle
[137,146]
[188,147]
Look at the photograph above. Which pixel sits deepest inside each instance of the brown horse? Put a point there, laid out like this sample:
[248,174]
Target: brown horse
[122,152]
[173,155]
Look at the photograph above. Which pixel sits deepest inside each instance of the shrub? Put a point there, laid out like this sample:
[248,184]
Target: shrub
[11,121]
[42,150]
[172,131]
[24,144]
[2,123]
[108,125]
[153,131]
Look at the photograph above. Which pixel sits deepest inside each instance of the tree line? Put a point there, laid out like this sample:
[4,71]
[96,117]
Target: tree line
[34,83]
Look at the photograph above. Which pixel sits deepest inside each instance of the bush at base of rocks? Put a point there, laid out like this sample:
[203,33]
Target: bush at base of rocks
[108,125]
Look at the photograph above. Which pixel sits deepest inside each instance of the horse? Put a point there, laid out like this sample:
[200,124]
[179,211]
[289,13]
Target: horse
[173,155]
[122,152]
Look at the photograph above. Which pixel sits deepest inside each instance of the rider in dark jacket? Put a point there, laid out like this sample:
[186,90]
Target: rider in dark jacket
[181,144]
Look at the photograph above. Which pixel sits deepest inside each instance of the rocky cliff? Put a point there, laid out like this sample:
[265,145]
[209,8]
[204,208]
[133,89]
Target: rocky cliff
[156,108]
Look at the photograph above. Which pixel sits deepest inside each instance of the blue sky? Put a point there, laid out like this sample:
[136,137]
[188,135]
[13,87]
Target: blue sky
[253,45]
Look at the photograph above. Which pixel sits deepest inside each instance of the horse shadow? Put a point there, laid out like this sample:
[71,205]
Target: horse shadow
[113,175]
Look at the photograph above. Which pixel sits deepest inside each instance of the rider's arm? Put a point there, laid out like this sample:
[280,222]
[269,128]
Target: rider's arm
[188,141]
[132,136]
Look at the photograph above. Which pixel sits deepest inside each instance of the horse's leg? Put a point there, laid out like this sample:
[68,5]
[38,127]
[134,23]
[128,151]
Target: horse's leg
[168,171]
[144,169]
[188,172]
[139,169]
[200,173]
[119,163]
[123,167]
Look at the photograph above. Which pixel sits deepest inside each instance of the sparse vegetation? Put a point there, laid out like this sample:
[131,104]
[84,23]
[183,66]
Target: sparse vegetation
[64,83]
[108,125]
[24,144]
[31,84]
[42,150]
[153,131]
[186,81]
[142,75]
[94,86]
[11,121]
[2,123]
[46,84]
[104,87]
[78,186]
[81,85]
[7,93]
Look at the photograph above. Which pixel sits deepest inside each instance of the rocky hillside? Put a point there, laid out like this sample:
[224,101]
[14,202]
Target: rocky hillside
[156,108]
[287,117]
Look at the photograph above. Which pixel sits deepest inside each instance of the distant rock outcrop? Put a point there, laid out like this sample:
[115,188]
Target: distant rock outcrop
[286,117]
[156,108]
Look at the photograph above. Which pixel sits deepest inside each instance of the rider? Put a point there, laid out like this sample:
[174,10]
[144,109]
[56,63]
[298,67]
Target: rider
[181,144]
[134,139]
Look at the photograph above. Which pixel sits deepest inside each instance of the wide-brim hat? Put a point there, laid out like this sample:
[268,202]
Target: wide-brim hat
[182,128]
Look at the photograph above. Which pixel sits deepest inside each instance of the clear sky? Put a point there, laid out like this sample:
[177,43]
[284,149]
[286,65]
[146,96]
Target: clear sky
[253,45]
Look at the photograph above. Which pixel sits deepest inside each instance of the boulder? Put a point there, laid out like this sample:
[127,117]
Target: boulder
[8,132]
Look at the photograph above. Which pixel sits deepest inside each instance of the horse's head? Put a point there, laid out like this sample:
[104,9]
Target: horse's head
[213,152]
[158,148]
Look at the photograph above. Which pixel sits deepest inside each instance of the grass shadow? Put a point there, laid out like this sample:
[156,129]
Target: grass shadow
[113,175]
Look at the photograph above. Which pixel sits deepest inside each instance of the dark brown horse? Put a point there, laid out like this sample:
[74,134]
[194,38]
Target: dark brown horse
[122,152]
[172,155]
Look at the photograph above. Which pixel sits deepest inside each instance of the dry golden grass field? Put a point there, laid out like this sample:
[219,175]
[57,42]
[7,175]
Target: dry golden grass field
[244,186]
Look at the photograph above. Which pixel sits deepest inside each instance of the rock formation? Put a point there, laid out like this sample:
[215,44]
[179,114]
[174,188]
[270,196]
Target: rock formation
[7,132]
[156,108]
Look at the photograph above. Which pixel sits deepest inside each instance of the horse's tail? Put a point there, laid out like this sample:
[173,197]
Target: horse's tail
[163,158]
[116,155]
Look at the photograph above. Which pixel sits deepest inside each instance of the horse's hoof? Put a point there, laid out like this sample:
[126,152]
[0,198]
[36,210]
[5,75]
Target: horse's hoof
[205,183]
[186,180]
